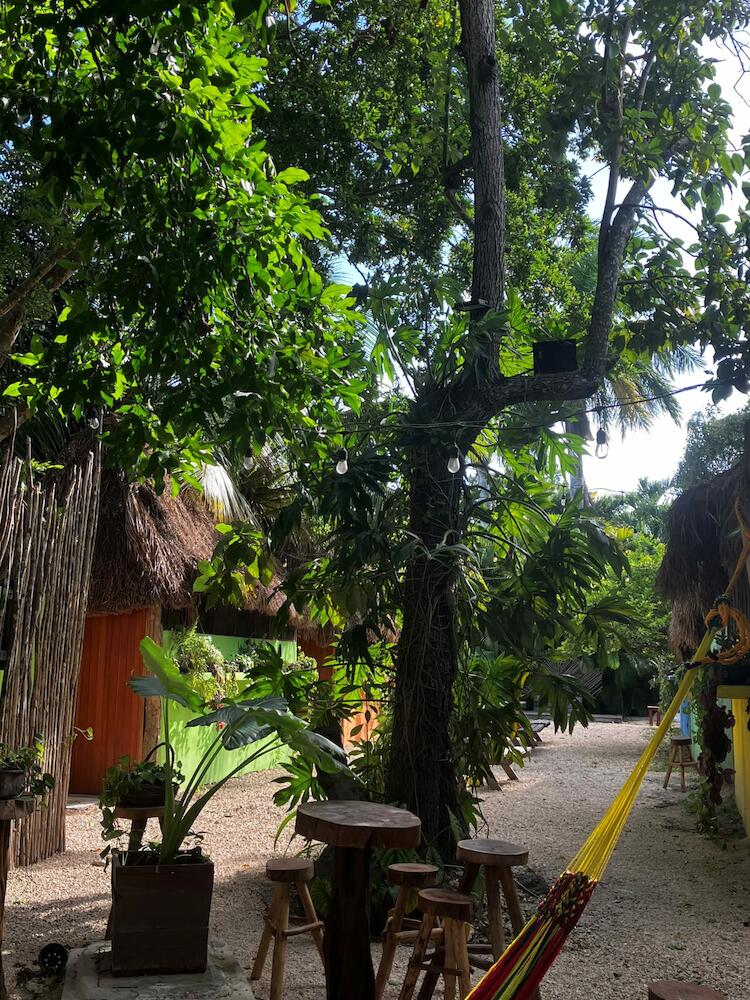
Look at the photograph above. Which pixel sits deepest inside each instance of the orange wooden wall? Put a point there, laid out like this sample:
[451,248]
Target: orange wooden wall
[105,701]
[365,720]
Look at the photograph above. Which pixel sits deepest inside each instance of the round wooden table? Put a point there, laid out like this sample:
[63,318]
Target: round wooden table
[352,828]
[10,810]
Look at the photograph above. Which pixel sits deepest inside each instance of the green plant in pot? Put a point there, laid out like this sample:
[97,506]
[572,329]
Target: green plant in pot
[135,784]
[161,893]
[21,771]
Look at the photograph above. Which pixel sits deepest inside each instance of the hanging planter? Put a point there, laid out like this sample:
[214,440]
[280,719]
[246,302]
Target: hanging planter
[12,782]
[553,357]
[731,675]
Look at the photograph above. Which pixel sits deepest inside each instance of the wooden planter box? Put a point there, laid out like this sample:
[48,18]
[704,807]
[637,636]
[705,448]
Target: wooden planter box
[160,917]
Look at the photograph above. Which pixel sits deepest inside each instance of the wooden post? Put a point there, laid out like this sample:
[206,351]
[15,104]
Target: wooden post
[152,706]
[351,974]
[4,866]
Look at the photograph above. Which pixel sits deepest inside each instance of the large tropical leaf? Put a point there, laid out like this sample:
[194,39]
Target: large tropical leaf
[166,680]
[245,722]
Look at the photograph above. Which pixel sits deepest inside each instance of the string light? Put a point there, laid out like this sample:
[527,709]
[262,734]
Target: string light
[93,422]
[602,444]
[454,462]
[342,463]
[247,461]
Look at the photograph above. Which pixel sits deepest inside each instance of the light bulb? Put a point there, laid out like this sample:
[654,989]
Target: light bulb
[94,422]
[602,445]
[454,462]
[247,461]
[342,465]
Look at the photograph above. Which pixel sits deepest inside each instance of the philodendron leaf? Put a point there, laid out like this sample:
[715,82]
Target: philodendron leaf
[166,680]
[326,755]
[246,722]
[249,721]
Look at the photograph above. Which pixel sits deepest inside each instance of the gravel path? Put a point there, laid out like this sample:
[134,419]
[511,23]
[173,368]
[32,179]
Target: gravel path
[672,905]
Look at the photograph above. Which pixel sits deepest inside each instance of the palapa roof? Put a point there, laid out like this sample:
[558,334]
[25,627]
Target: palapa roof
[704,542]
[148,546]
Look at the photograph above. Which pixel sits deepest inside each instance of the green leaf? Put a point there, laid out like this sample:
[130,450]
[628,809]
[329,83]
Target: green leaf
[292,175]
[167,681]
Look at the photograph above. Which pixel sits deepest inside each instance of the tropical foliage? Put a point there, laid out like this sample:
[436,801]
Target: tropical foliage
[264,723]
[171,244]
[174,279]
[714,444]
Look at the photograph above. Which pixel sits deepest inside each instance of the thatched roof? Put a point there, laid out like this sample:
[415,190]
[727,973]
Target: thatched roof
[703,545]
[148,546]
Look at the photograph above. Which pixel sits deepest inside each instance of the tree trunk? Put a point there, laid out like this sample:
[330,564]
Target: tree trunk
[421,772]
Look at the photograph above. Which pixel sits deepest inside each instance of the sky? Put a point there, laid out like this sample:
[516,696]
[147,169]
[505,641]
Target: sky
[654,453]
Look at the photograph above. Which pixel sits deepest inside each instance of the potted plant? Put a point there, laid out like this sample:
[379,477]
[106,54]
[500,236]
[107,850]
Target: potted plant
[21,771]
[161,893]
[139,784]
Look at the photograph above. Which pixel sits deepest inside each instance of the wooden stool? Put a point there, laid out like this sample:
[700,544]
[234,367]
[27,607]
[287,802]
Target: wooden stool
[139,816]
[654,712]
[450,959]
[670,990]
[407,877]
[497,857]
[284,872]
[680,755]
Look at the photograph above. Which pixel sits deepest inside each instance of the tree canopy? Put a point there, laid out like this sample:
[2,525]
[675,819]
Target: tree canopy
[192,160]
[174,247]
[714,444]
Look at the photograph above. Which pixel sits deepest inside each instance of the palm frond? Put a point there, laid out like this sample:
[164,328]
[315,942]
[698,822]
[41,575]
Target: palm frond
[222,496]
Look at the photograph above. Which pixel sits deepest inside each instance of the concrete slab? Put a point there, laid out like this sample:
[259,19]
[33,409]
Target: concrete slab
[87,977]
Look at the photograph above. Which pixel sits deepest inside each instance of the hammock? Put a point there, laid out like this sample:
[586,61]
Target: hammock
[521,968]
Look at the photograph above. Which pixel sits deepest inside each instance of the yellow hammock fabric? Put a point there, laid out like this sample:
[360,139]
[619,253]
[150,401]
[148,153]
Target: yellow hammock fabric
[523,965]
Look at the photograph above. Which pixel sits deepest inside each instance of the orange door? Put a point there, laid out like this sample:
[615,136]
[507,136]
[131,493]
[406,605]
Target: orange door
[105,701]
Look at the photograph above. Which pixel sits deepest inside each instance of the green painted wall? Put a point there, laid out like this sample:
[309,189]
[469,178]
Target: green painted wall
[190,744]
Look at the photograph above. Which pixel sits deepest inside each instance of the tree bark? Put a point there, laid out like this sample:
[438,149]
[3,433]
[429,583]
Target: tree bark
[422,773]
[479,47]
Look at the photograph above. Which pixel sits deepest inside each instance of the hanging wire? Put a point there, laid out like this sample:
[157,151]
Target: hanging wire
[397,428]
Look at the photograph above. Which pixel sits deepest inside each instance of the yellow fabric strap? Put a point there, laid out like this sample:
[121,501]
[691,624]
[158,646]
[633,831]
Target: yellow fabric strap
[593,856]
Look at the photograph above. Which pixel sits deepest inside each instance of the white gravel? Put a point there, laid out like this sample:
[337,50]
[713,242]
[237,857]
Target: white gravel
[671,906]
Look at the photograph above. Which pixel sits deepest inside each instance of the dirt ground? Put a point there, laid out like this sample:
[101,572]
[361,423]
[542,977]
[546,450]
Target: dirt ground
[671,906]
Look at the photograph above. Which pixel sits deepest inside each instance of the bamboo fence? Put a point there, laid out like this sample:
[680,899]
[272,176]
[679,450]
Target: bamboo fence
[47,533]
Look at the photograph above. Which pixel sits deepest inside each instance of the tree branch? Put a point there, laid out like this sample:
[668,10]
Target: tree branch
[12,321]
[21,292]
[458,208]
[11,420]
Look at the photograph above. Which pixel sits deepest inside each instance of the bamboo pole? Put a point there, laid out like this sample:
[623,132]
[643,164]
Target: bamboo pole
[47,537]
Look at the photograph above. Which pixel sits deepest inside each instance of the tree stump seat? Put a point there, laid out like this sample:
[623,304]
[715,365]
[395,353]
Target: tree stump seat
[285,872]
